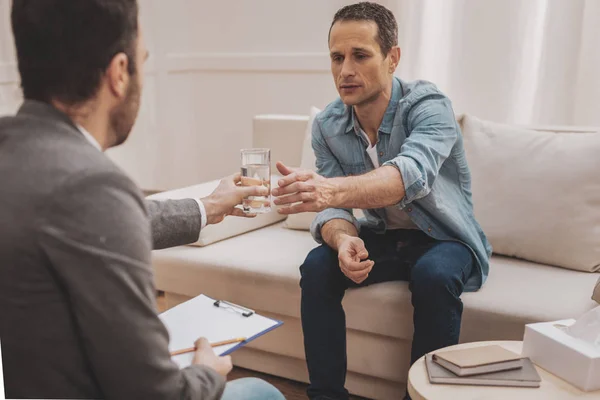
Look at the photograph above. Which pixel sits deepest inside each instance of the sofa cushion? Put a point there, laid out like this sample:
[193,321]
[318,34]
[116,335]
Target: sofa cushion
[536,194]
[260,270]
[231,226]
[302,221]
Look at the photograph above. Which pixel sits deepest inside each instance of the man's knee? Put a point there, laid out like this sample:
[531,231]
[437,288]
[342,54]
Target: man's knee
[320,269]
[442,271]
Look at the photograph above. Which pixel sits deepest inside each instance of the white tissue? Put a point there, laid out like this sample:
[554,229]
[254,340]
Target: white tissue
[587,327]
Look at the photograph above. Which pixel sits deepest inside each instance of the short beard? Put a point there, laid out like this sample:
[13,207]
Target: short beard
[123,117]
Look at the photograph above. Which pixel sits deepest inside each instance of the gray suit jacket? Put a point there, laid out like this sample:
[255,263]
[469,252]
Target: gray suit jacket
[77,299]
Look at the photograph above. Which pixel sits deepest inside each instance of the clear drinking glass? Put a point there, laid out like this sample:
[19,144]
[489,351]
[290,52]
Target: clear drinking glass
[256,171]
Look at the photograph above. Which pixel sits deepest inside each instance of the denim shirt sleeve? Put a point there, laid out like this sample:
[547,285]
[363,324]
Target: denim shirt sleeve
[329,167]
[433,133]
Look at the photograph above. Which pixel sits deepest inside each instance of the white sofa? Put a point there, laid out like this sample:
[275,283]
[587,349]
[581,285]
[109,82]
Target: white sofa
[260,269]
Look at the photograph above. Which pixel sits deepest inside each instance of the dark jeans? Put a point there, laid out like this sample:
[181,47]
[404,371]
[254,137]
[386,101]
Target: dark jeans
[436,272]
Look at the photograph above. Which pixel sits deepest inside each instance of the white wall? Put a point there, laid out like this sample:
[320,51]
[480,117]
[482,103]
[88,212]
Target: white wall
[213,66]
[10,95]
[216,64]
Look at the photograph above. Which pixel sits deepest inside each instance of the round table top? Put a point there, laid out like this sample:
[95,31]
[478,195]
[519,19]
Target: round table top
[551,387]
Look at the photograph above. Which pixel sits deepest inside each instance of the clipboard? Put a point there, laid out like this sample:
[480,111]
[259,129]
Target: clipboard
[217,320]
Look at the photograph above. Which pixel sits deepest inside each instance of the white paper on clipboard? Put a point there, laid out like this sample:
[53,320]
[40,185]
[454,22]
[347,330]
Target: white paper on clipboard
[199,317]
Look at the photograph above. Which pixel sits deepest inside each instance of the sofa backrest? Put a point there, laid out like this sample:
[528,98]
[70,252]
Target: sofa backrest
[283,134]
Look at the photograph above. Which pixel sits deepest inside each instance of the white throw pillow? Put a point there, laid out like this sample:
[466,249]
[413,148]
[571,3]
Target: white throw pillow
[303,221]
[231,226]
[536,193]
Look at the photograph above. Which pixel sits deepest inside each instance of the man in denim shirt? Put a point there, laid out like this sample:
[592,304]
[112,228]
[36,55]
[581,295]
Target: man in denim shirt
[393,149]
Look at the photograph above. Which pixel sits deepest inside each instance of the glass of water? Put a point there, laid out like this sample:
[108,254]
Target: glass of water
[256,171]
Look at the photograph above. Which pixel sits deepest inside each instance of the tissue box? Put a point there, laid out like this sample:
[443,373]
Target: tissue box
[569,358]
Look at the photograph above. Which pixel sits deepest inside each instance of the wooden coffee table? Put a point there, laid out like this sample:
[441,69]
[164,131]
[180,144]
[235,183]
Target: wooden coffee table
[552,387]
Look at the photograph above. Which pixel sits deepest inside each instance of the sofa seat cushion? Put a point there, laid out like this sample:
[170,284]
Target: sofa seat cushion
[260,270]
[520,292]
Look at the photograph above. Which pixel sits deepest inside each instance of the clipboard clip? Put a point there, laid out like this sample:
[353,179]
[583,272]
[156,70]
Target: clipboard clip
[246,312]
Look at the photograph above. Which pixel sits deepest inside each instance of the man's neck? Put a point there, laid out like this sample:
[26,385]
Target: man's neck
[94,128]
[370,115]
[89,118]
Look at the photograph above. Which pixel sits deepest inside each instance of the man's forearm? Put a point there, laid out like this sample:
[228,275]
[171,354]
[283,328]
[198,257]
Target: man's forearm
[173,222]
[334,231]
[379,188]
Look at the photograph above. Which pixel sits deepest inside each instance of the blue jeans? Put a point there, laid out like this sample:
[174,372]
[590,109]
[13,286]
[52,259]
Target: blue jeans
[436,272]
[251,389]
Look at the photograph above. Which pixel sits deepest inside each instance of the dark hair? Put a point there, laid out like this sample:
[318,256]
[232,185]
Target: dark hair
[64,46]
[387,28]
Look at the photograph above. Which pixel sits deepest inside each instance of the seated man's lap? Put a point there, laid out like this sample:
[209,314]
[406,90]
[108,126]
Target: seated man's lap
[444,263]
[400,255]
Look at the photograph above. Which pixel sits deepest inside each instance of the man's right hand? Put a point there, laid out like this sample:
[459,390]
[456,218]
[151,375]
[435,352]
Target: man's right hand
[223,201]
[205,355]
[352,255]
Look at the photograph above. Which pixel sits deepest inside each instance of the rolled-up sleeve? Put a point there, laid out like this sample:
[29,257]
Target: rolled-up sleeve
[432,134]
[329,167]
[327,215]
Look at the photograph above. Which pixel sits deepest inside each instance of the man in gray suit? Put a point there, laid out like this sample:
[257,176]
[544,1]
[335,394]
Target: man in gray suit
[77,307]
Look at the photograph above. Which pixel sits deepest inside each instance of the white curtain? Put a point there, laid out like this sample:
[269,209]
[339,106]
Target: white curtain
[515,61]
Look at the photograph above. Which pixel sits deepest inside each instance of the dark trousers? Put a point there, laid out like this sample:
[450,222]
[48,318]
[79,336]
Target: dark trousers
[436,272]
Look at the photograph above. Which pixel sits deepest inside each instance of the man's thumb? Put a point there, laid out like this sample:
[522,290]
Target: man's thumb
[361,250]
[283,169]
[202,343]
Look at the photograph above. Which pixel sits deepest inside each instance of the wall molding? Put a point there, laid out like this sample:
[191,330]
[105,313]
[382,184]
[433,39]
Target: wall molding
[9,73]
[248,62]
[220,62]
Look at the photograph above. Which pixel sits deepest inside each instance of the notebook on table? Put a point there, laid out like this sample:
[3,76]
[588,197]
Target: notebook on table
[527,376]
[215,320]
[478,360]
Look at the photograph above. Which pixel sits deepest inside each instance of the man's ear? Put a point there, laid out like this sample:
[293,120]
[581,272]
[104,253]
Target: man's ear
[117,75]
[394,55]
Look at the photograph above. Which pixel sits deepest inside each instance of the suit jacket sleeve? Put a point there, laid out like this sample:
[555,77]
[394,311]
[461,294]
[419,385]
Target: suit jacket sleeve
[96,236]
[174,222]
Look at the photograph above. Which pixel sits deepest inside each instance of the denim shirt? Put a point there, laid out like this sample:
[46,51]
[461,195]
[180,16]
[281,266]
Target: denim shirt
[420,137]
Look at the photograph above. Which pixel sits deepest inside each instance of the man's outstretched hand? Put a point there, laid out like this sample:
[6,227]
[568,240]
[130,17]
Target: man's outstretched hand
[303,190]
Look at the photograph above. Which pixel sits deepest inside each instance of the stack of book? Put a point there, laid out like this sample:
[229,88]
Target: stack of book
[486,365]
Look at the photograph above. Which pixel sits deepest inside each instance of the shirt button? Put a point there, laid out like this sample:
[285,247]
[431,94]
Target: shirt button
[381,154]
[428,229]
[409,209]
